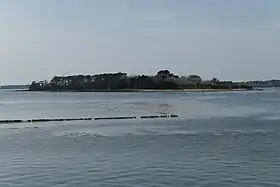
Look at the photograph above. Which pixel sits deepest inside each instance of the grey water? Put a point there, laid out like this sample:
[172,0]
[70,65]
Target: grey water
[220,139]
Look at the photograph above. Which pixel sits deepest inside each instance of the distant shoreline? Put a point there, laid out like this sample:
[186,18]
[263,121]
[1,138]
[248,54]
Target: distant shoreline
[194,90]
[148,90]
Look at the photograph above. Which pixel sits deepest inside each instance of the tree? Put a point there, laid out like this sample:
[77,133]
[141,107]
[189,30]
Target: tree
[163,74]
[215,80]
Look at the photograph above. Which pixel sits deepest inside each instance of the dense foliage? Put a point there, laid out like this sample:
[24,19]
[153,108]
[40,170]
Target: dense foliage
[121,81]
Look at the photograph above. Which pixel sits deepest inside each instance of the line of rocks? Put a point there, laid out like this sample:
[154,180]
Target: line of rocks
[86,119]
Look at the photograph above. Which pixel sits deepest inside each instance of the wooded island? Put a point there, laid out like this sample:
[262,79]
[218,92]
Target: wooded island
[163,80]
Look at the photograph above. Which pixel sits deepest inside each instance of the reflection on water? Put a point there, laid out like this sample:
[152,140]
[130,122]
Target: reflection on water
[219,139]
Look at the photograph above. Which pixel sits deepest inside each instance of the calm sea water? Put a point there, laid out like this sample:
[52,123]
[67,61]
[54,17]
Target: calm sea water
[219,139]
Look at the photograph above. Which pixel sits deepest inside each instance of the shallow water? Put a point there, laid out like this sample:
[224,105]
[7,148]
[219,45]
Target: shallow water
[219,139]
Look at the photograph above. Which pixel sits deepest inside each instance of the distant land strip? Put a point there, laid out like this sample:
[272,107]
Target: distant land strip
[9,121]
[163,80]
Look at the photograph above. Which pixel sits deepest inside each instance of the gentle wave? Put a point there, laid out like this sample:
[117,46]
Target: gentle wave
[171,133]
[223,139]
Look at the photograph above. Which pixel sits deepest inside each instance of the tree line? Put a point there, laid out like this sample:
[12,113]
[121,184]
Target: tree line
[164,79]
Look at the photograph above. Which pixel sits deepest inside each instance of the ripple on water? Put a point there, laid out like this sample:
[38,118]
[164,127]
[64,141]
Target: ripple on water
[151,160]
[174,132]
[80,134]
[220,151]
[272,117]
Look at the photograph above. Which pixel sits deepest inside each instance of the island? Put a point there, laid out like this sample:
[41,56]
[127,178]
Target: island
[164,80]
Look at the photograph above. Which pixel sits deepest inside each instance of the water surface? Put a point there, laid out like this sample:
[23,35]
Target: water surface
[219,139]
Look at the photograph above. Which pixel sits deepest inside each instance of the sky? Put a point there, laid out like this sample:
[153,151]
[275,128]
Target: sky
[231,40]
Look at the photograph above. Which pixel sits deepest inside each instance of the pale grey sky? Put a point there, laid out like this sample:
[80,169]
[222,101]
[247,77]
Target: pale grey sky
[234,39]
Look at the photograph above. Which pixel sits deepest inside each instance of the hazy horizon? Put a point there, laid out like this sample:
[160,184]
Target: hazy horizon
[231,40]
